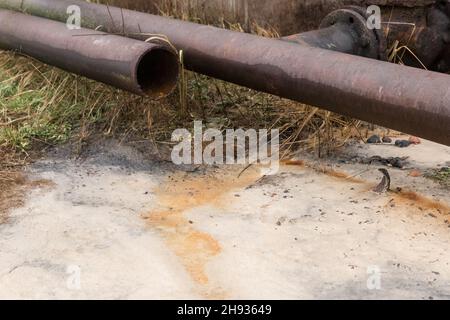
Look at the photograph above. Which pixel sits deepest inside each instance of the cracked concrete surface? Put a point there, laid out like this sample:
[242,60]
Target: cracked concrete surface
[119,226]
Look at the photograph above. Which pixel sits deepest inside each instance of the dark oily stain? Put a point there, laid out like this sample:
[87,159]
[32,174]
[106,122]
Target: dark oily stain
[396,162]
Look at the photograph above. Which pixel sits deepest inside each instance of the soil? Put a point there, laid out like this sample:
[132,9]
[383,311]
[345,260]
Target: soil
[11,192]
[137,227]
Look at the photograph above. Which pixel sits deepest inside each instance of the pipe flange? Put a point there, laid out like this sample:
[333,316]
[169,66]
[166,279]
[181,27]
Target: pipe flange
[369,45]
[379,34]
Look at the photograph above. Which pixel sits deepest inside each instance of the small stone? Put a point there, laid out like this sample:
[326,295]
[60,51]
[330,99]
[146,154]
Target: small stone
[374,139]
[414,140]
[281,221]
[387,140]
[402,143]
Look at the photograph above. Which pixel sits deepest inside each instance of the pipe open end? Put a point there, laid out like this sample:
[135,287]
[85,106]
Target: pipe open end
[157,72]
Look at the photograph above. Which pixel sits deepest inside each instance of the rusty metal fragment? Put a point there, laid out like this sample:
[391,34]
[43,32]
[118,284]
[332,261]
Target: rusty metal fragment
[135,66]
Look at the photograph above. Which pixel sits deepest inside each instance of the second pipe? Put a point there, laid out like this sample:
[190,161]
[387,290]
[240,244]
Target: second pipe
[132,65]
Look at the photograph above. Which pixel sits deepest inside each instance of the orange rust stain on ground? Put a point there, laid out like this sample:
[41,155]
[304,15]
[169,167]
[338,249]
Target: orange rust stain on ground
[422,202]
[13,188]
[404,198]
[335,173]
[321,169]
[12,192]
[41,183]
[298,163]
[419,206]
[182,192]
[341,175]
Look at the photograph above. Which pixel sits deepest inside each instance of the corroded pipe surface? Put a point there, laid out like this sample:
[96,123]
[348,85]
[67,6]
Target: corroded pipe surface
[135,66]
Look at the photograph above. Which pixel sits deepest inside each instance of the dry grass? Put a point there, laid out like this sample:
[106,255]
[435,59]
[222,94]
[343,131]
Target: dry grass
[441,176]
[41,106]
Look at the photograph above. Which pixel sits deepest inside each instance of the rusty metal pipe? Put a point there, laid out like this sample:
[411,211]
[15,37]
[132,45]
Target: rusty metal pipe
[337,38]
[135,66]
[345,30]
[402,98]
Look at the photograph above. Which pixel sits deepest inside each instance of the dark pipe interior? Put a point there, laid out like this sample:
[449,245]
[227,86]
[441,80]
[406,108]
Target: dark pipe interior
[157,72]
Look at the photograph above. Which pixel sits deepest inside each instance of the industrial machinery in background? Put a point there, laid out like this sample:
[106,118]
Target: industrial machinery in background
[338,66]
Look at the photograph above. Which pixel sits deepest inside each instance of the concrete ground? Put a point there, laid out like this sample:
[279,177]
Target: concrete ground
[118,225]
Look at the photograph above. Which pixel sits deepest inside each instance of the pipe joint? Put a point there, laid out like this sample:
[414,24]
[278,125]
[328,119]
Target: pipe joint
[366,41]
[345,30]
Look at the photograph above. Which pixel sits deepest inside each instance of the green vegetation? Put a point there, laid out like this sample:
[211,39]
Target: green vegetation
[441,175]
[37,103]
